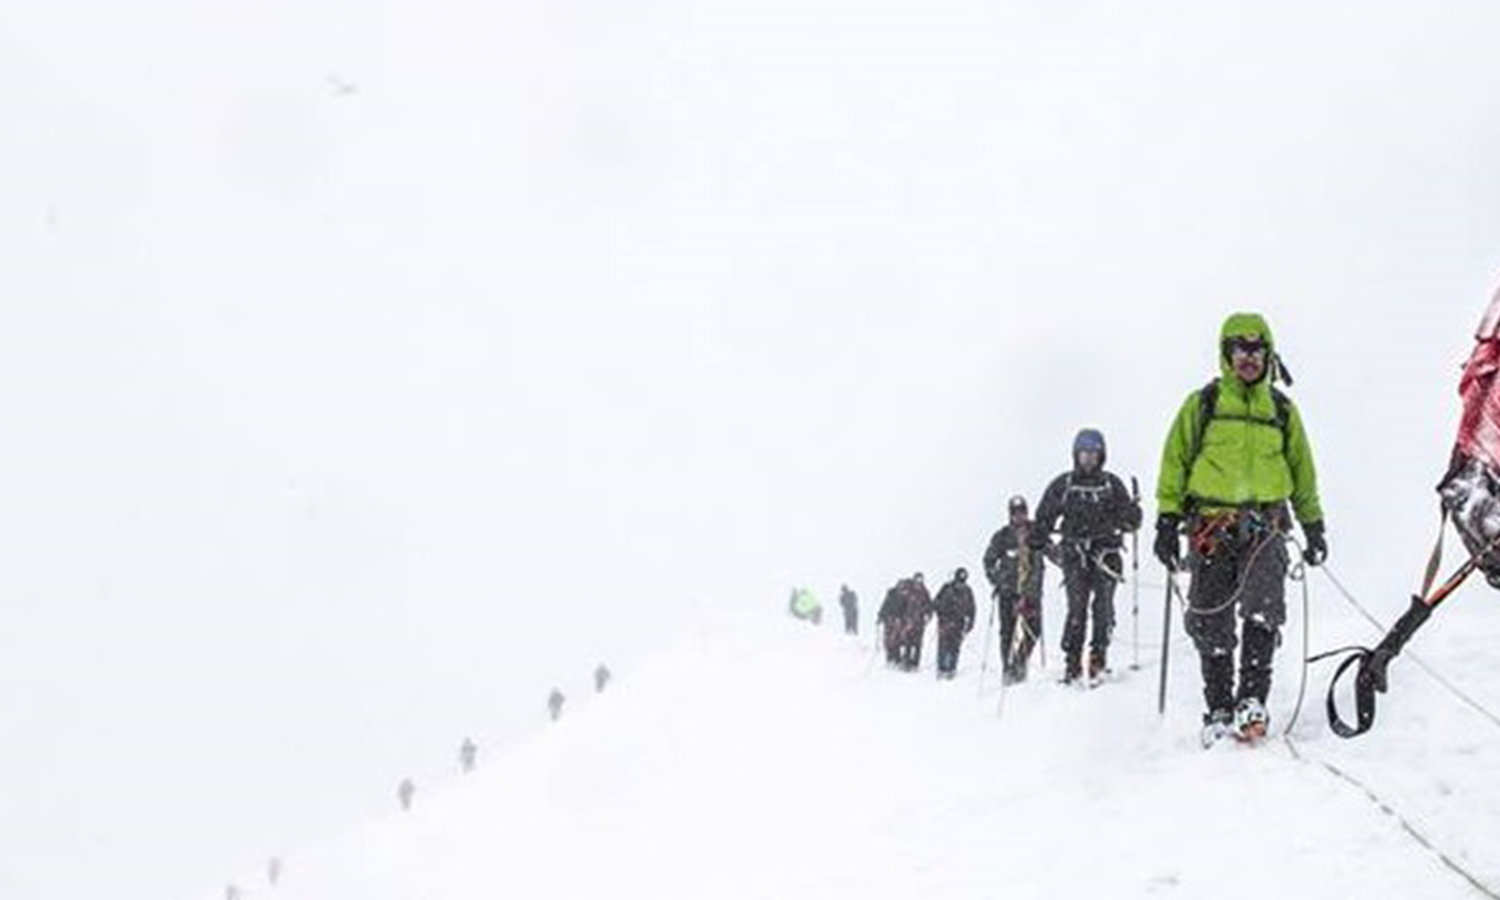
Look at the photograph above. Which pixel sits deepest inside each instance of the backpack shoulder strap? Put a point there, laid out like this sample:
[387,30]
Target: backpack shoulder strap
[1283,412]
[1208,404]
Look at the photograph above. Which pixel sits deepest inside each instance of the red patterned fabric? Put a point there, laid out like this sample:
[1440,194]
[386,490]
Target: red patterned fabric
[1479,429]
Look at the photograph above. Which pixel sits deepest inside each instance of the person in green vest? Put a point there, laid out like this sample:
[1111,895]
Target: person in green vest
[1236,458]
[803,605]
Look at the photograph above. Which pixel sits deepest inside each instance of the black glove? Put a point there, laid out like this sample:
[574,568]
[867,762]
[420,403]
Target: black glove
[1317,548]
[1168,546]
[1037,539]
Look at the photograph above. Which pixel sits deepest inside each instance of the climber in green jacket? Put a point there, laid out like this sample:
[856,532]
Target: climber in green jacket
[803,605]
[1236,458]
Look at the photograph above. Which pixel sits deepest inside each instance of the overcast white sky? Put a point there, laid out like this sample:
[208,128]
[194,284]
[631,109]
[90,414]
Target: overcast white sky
[368,367]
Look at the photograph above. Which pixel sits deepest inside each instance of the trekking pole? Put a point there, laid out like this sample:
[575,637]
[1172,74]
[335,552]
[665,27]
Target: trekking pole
[876,642]
[1166,635]
[1000,704]
[1135,583]
[1041,626]
[984,665]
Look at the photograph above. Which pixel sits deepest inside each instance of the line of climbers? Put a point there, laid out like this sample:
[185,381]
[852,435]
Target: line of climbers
[468,751]
[406,788]
[1235,468]
[804,605]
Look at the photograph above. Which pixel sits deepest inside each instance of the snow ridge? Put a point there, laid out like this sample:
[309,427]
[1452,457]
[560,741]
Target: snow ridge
[766,758]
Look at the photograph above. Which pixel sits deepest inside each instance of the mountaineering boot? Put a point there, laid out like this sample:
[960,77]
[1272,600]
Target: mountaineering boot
[1074,670]
[1217,724]
[1250,720]
[1098,667]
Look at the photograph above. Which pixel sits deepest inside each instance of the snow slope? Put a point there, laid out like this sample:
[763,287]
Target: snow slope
[342,343]
[765,758]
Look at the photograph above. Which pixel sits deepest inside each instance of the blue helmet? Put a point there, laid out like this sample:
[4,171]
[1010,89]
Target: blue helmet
[1089,439]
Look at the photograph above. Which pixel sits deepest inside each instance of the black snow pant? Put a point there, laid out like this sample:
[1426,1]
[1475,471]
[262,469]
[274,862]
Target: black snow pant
[911,657]
[1239,565]
[950,640]
[1015,653]
[1091,590]
[851,620]
[892,636]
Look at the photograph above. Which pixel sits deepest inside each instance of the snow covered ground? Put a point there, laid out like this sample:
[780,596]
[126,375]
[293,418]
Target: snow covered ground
[768,759]
[368,368]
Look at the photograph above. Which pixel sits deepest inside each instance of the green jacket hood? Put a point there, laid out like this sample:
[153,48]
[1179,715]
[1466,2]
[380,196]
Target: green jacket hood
[1246,325]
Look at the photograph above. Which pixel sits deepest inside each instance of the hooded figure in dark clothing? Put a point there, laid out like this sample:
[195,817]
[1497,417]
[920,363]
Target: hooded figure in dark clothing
[891,619]
[903,617]
[1015,570]
[849,603]
[954,608]
[1091,508]
[918,611]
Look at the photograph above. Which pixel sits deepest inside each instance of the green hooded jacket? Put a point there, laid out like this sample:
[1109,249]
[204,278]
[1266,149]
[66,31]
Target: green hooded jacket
[1245,456]
[804,605]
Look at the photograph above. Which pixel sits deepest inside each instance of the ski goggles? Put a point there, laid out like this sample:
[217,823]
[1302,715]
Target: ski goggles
[1248,346]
